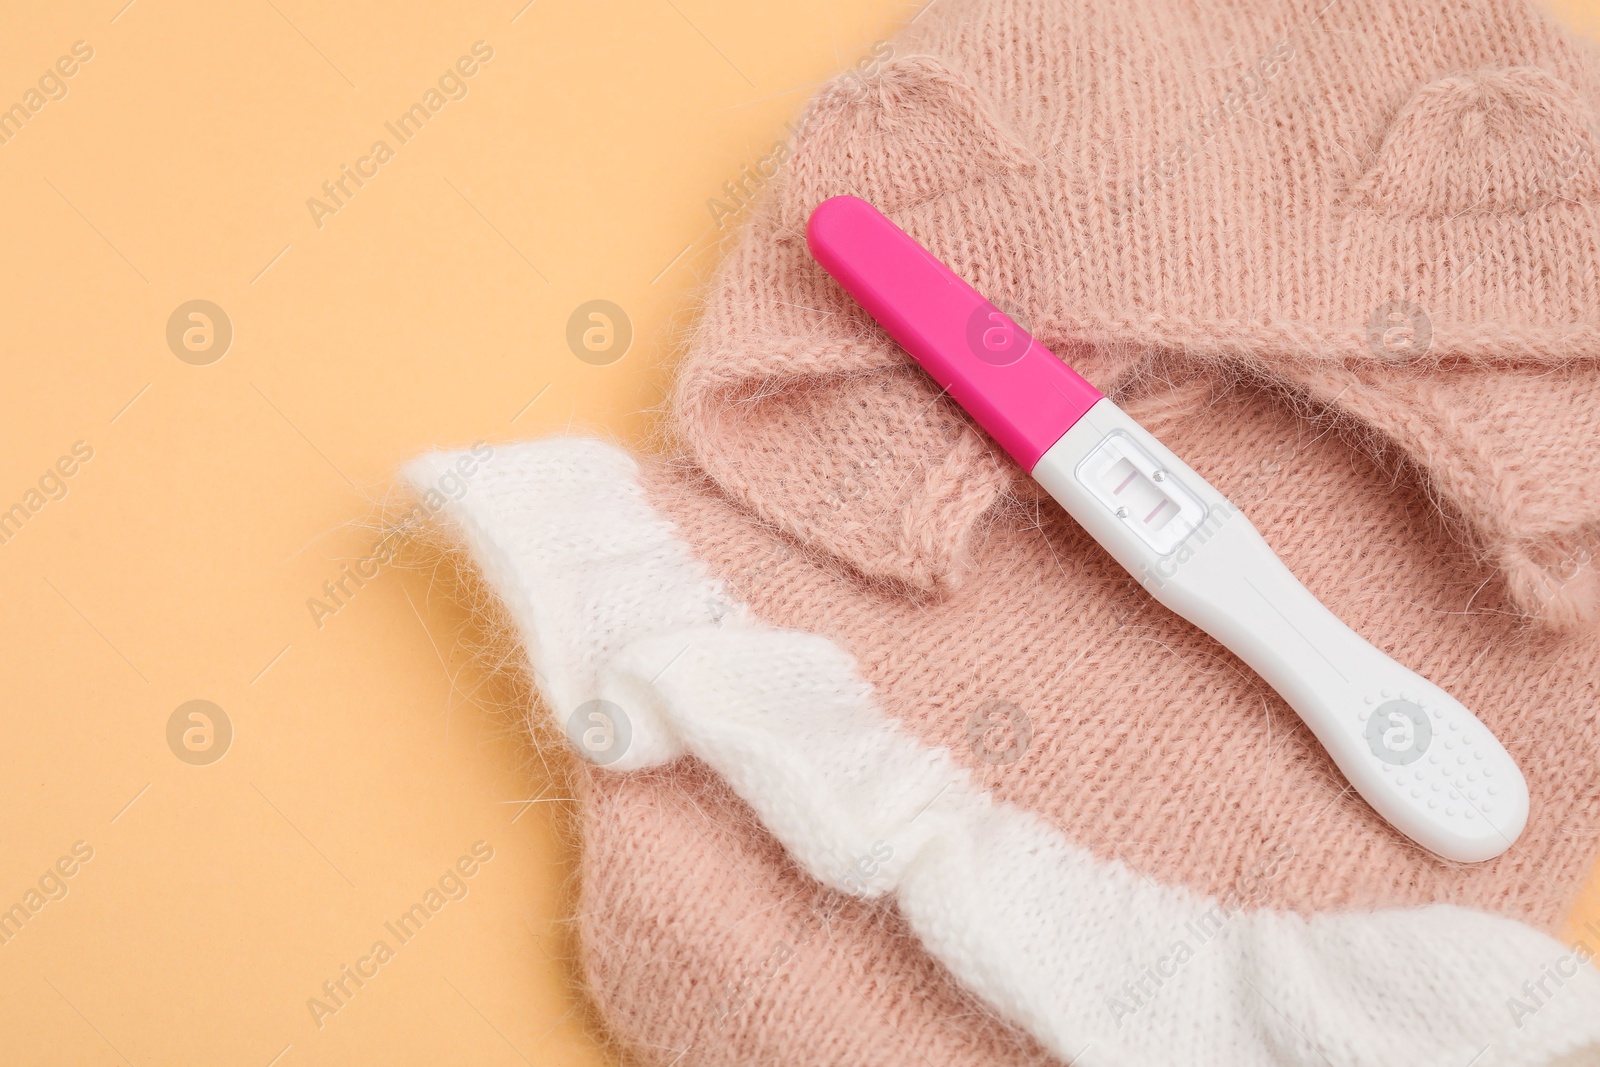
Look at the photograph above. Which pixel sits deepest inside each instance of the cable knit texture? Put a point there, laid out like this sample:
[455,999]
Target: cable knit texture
[1344,258]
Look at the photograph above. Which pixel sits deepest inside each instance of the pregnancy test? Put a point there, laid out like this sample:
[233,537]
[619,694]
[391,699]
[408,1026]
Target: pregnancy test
[1422,760]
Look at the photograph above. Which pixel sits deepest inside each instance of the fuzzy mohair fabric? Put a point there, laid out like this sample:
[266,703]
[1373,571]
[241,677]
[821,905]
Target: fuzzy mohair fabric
[1388,209]
[1344,258]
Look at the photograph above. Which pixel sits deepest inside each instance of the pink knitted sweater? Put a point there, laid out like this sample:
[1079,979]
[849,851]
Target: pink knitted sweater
[894,765]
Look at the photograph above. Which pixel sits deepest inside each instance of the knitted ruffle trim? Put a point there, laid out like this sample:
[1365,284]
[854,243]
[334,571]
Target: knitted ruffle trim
[1102,966]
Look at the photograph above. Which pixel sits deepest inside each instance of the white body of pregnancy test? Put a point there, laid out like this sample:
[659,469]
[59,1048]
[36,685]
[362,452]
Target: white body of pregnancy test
[1422,760]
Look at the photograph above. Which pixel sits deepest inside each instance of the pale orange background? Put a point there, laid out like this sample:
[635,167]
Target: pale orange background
[430,310]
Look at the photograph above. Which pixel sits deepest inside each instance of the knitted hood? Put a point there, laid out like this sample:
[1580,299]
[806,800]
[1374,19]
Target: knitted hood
[1398,228]
[891,764]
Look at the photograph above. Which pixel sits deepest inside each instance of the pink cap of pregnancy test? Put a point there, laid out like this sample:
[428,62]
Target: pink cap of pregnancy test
[1013,386]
